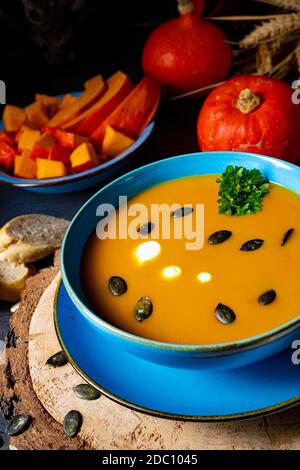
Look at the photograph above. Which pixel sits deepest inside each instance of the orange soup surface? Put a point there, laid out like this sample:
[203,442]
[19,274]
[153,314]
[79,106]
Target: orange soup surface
[185,286]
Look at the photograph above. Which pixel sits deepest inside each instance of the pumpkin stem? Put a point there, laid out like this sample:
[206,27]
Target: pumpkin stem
[247,101]
[185,6]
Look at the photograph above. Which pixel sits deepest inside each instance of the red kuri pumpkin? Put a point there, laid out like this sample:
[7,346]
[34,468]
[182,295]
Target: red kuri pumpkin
[187,52]
[251,114]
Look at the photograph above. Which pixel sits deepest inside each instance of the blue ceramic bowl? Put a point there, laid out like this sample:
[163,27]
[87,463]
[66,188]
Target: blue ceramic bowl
[84,179]
[226,355]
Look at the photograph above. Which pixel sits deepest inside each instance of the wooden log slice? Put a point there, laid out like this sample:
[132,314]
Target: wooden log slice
[16,392]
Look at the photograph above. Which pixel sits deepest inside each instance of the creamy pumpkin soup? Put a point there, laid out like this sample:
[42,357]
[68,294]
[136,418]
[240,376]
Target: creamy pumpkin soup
[244,281]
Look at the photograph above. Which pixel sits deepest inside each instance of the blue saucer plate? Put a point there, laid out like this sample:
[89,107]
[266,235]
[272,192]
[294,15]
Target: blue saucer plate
[265,387]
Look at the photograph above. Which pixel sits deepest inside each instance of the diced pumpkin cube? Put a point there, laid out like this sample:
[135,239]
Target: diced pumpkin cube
[50,168]
[66,139]
[115,142]
[23,128]
[36,114]
[20,131]
[60,153]
[50,103]
[67,100]
[7,155]
[46,141]
[5,137]
[25,167]
[43,146]
[83,157]
[28,138]
[47,100]
[13,118]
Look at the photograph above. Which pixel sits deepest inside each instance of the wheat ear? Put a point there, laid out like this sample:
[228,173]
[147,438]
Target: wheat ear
[293,5]
[282,26]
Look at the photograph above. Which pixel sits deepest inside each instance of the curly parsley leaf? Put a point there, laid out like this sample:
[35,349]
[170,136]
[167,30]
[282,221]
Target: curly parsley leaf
[241,191]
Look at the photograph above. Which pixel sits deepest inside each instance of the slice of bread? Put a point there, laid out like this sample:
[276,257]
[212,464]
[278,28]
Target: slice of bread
[12,279]
[27,238]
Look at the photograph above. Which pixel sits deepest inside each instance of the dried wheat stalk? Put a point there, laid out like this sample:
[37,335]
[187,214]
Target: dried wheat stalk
[283,63]
[272,29]
[275,46]
[264,59]
[246,17]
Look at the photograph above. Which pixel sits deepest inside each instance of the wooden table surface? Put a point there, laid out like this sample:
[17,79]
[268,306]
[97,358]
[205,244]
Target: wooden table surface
[174,134]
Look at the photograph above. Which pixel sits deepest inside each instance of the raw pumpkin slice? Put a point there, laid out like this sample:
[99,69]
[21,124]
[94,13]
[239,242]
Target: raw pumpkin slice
[115,142]
[133,114]
[118,87]
[13,118]
[83,158]
[36,114]
[50,168]
[25,167]
[94,89]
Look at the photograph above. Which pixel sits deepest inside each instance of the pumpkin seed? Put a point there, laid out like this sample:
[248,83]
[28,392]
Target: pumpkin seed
[72,423]
[146,228]
[224,314]
[18,424]
[57,360]
[252,245]
[143,309]
[181,212]
[117,285]
[219,237]
[286,236]
[267,297]
[86,392]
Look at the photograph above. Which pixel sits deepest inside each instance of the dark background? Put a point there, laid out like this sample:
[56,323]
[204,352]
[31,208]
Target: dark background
[52,46]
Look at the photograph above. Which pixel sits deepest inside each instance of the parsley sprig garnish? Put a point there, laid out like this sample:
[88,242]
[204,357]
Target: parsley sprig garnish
[241,191]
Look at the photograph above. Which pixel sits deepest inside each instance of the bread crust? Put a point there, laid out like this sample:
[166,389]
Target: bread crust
[28,238]
[24,240]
